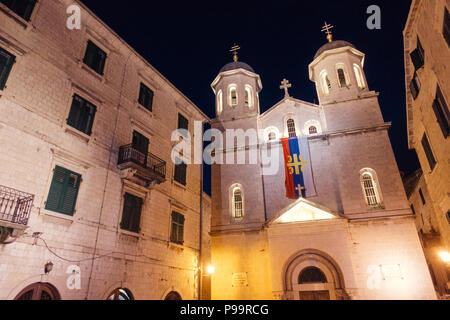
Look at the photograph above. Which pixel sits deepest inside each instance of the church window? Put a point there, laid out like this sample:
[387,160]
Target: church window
[23,8]
[233,97]
[446,28]
[428,152]
[369,183]
[359,76]
[312,130]
[442,113]
[248,97]
[326,84]
[219,102]
[238,203]
[312,275]
[343,78]
[6,63]
[291,128]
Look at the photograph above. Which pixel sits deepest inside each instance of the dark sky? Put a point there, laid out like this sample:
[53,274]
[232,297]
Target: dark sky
[188,42]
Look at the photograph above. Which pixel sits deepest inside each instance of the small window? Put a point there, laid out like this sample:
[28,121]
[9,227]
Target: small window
[342,77]
[272,136]
[63,192]
[6,62]
[95,58]
[291,128]
[326,84]
[370,188]
[238,204]
[180,173]
[413,210]
[131,216]
[81,115]
[446,28]
[414,86]
[359,76]
[428,152]
[23,8]
[141,144]
[177,231]
[442,113]
[312,130]
[418,56]
[422,197]
[219,102]
[183,123]
[146,97]
[233,96]
[312,275]
[248,97]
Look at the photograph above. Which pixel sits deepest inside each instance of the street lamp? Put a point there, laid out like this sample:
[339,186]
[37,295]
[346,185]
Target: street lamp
[211,269]
[445,256]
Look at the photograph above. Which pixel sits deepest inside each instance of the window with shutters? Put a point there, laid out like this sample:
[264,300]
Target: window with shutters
[418,56]
[446,27]
[141,144]
[95,58]
[415,85]
[291,128]
[63,193]
[6,63]
[442,113]
[23,8]
[428,152]
[180,172]
[146,96]
[177,230]
[131,214]
[81,115]
[371,189]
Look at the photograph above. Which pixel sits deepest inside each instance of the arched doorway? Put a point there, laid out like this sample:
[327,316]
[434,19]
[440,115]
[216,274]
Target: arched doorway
[173,296]
[313,275]
[39,291]
[121,294]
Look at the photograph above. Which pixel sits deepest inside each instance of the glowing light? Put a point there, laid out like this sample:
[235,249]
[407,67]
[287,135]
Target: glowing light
[211,269]
[445,256]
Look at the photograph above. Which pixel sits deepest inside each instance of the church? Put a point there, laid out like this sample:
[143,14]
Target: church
[346,230]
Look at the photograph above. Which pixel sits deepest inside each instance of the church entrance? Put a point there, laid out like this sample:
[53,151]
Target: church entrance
[39,291]
[313,277]
[315,295]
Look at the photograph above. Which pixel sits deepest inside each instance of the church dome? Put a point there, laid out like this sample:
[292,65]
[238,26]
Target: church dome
[236,65]
[333,45]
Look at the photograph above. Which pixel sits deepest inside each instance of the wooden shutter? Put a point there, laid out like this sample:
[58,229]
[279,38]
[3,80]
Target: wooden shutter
[146,97]
[95,57]
[127,211]
[75,111]
[131,215]
[82,114]
[418,58]
[6,62]
[136,216]
[177,230]
[414,87]
[446,27]
[180,173]
[63,192]
[442,113]
[89,110]
[428,152]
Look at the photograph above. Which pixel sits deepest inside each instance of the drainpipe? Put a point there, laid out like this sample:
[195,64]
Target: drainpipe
[200,256]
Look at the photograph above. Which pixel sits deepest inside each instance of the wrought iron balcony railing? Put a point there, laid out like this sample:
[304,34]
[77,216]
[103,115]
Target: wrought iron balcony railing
[15,206]
[148,161]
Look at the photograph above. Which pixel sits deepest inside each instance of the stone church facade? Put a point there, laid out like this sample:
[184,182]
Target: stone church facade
[91,204]
[356,238]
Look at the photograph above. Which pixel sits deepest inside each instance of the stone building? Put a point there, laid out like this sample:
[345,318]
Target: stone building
[353,236]
[91,204]
[427,226]
[427,69]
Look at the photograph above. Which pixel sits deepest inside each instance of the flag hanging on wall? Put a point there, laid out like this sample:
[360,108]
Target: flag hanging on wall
[299,177]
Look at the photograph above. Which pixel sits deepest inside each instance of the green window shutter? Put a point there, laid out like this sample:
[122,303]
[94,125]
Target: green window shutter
[127,211]
[132,211]
[181,230]
[6,62]
[177,231]
[91,110]
[136,218]
[146,97]
[75,111]
[63,192]
[82,115]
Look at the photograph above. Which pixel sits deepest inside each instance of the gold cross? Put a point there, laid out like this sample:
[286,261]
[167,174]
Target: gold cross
[326,28]
[285,85]
[234,50]
[297,164]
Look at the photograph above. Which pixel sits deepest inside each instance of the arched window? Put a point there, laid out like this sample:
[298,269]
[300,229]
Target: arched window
[312,130]
[173,296]
[359,76]
[121,294]
[219,102]
[369,184]
[326,84]
[39,291]
[233,96]
[312,275]
[343,78]
[238,203]
[291,128]
[248,97]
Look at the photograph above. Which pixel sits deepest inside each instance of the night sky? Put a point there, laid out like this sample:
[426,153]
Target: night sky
[188,42]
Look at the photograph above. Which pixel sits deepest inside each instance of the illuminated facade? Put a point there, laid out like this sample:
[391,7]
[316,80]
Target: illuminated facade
[356,239]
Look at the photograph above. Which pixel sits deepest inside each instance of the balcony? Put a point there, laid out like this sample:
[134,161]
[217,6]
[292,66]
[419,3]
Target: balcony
[144,169]
[15,209]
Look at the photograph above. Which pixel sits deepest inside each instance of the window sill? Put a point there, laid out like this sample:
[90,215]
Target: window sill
[77,133]
[61,216]
[179,185]
[131,234]
[99,77]
[144,109]
[173,245]
[21,21]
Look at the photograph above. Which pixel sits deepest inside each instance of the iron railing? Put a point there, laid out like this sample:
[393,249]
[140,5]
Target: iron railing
[15,205]
[129,154]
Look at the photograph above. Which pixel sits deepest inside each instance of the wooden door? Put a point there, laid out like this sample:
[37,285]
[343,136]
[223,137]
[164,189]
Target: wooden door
[314,295]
